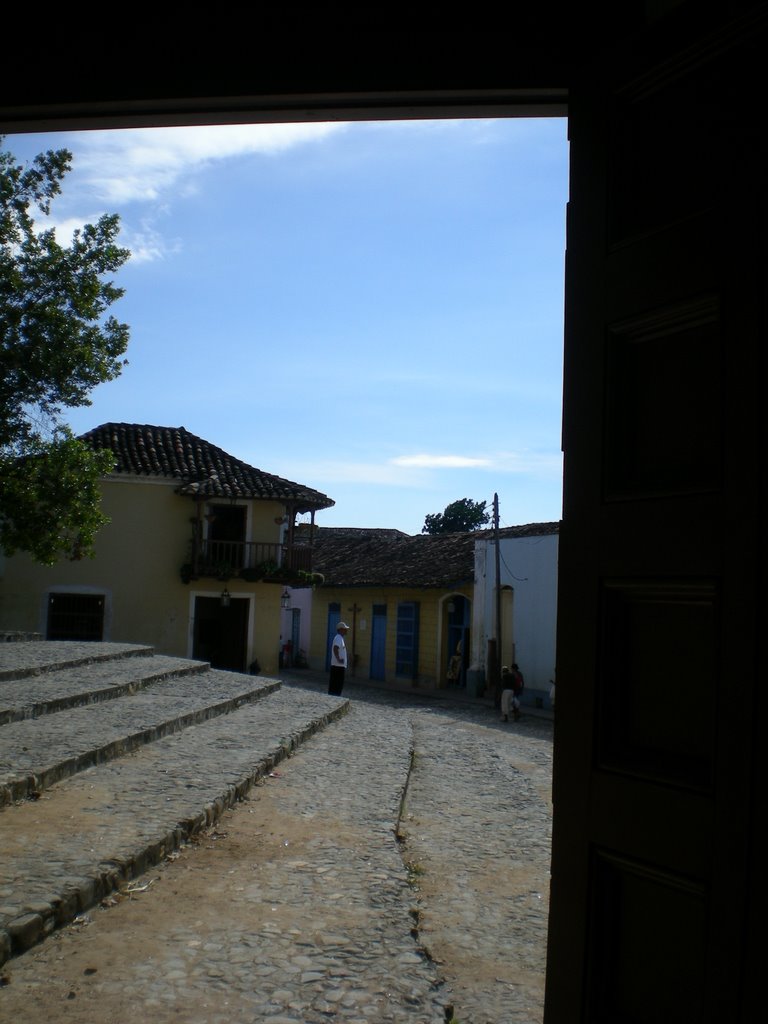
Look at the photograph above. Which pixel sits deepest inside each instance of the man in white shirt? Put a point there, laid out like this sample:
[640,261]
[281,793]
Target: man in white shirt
[338,660]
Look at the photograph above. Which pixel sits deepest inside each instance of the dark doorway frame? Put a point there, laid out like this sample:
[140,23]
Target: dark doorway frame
[520,64]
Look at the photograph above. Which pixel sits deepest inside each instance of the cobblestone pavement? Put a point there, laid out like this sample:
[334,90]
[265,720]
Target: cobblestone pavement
[303,906]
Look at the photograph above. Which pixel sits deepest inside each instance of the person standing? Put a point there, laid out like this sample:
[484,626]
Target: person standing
[338,660]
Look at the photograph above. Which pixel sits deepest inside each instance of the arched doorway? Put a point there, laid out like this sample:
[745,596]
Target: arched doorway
[458,610]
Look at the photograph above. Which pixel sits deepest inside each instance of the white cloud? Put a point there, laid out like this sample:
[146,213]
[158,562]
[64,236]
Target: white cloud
[156,165]
[146,243]
[144,163]
[418,470]
[64,227]
[544,464]
[439,461]
[547,465]
[332,472]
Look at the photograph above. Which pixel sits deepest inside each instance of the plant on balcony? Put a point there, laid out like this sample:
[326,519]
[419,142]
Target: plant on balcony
[251,575]
[263,570]
[284,574]
[310,579]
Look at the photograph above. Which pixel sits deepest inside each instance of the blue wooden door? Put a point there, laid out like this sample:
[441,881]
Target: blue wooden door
[407,646]
[378,641]
[334,617]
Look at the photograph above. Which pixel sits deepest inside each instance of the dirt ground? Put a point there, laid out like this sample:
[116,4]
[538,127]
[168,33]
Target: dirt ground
[99,968]
[62,979]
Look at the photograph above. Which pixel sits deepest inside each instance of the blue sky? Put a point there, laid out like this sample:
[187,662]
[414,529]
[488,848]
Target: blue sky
[374,310]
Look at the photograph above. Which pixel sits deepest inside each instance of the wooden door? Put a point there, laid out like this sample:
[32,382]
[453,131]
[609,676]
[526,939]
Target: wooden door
[407,640]
[378,668]
[659,784]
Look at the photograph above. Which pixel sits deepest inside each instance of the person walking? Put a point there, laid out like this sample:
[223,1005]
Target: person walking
[338,660]
[518,684]
[507,693]
[511,688]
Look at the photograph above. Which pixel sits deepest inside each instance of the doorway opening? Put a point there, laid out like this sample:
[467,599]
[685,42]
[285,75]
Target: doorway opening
[221,632]
[458,610]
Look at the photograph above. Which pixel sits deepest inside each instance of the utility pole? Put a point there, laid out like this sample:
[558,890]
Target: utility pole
[497,665]
[495,646]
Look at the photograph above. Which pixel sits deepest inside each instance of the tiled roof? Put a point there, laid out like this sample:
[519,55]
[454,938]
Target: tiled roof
[356,557]
[529,530]
[361,532]
[201,468]
[388,558]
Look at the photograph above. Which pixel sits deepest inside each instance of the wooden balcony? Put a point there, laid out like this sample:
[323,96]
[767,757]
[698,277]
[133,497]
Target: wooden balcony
[249,560]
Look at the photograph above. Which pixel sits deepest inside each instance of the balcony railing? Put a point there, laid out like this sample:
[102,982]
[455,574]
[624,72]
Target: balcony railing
[230,558]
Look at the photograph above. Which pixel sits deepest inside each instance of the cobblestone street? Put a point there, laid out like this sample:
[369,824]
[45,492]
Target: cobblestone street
[329,895]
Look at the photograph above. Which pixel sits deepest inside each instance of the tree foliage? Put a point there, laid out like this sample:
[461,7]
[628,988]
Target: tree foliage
[56,344]
[460,516]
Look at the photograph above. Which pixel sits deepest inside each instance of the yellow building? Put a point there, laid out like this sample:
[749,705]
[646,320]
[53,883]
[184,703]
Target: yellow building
[198,551]
[407,600]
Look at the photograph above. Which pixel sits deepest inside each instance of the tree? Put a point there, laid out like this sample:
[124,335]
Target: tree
[56,345]
[459,517]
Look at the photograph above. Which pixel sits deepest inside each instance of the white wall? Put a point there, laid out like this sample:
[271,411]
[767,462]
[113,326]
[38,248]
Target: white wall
[529,566]
[301,598]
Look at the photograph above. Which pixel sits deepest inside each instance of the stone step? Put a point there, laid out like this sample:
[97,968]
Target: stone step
[56,689]
[21,660]
[91,833]
[36,752]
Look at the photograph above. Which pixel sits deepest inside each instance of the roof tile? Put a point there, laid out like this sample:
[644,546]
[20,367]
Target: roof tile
[201,468]
[356,557]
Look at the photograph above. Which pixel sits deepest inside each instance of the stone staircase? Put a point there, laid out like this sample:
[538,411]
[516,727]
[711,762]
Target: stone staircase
[112,756]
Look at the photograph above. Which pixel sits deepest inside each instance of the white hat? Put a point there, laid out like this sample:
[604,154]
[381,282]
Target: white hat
[341,625]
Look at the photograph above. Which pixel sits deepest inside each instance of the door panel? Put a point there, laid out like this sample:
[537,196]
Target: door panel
[407,640]
[378,642]
[658,784]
